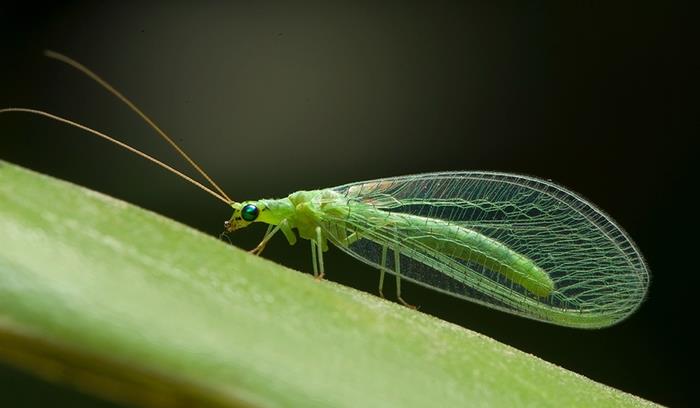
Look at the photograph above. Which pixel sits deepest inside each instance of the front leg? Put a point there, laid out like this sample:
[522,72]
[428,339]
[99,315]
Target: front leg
[272,230]
[266,238]
[288,233]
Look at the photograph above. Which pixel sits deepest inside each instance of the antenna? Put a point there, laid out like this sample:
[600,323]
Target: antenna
[123,145]
[80,67]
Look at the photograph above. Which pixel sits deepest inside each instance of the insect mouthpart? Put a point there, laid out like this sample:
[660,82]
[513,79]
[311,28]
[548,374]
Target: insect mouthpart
[231,226]
[236,222]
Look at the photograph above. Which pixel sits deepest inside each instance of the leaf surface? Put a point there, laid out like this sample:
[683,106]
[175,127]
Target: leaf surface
[134,307]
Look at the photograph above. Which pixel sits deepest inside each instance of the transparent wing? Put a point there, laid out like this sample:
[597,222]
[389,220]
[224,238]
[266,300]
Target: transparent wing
[599,275]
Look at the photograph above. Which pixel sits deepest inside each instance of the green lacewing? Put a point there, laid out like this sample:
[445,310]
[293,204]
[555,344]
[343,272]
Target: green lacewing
[511,242]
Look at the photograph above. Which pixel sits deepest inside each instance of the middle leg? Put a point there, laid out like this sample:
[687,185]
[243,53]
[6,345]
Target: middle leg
[319,248]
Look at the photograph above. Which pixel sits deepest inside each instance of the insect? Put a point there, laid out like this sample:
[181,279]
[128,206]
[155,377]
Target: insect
[515,243]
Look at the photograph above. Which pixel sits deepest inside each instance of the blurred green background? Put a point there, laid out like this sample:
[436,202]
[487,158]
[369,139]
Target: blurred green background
[276,98]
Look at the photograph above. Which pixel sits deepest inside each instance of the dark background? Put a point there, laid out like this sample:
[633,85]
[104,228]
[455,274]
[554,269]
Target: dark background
[276,98]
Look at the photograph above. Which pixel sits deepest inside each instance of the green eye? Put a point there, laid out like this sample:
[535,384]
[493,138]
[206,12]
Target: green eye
[249,212]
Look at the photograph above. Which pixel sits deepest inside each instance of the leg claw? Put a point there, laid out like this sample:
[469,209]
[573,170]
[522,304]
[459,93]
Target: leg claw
[408,305]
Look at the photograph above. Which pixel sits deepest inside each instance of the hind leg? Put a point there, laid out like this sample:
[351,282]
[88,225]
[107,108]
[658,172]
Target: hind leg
[397,269]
